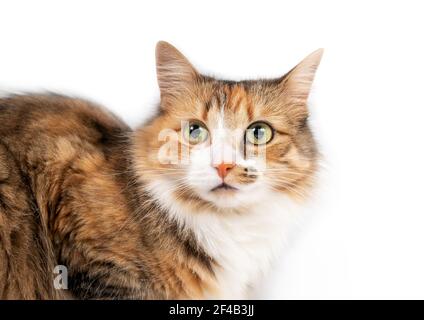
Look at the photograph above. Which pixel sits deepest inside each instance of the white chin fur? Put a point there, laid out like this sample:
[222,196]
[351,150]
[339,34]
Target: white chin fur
[243,197]
[244,245]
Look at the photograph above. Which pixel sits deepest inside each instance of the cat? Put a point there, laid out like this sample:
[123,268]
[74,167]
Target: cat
[191,205]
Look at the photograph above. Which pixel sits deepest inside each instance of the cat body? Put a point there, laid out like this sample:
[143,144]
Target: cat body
[79,188]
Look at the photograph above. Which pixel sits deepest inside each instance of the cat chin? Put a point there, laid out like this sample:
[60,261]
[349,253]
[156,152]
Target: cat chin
[242,198]
[230,200]
[234,199]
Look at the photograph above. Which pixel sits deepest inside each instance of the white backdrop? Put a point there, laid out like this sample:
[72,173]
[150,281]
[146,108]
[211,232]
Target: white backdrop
[364,234]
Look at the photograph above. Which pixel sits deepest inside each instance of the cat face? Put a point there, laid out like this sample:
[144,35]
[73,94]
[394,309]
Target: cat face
[225,144]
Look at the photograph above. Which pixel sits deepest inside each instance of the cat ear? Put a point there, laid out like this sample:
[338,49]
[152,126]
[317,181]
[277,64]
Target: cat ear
[298,81]
[174,72]
[296,86]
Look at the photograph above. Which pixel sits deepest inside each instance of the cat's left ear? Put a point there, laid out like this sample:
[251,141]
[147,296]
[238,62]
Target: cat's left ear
[297,83]
[174,72]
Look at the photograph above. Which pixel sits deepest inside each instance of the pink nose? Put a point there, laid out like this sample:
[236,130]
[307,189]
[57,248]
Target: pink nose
[224,168]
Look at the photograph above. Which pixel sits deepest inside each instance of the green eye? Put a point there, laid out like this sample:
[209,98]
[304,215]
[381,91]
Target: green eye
[259,133]
[195,132]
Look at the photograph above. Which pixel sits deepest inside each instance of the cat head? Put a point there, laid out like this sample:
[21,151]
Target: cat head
[227,144]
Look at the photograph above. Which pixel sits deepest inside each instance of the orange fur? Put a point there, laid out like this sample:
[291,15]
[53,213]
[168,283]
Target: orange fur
[79,181]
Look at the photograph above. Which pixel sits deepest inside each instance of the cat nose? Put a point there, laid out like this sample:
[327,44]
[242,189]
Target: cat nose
[223,169]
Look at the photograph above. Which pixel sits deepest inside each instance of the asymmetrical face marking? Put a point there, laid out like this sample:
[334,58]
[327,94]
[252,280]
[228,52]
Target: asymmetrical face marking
[227,170]
[194,204]
[254,158]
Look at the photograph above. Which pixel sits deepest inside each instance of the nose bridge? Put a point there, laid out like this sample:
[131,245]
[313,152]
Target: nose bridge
[223,149]
[225,137]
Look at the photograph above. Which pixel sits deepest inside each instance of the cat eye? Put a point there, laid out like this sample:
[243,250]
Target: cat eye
[195,132]
[259,133]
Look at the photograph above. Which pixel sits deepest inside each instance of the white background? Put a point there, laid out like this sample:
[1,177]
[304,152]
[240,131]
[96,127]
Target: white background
[364,235]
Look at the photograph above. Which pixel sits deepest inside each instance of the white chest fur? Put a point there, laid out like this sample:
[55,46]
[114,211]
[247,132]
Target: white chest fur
[244,245]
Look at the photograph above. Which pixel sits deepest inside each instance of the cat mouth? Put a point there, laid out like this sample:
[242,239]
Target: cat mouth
[223,186]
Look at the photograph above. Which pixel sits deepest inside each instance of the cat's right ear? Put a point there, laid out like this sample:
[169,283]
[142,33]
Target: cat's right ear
[174,72]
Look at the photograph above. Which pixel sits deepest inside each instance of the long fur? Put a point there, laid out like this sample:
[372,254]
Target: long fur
[79,188]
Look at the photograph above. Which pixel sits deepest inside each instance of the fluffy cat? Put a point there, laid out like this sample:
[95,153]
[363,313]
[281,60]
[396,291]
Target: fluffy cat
[191,205]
